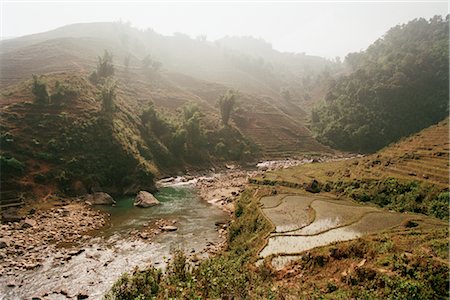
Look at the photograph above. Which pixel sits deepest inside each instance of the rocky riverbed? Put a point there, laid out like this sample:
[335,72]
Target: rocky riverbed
[70,250]
[26,244]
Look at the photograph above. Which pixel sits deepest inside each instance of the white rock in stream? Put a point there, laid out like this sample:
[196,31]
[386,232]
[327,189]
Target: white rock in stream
[145,199]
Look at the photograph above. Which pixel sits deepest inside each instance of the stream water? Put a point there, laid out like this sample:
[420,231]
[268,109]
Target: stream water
[112,251]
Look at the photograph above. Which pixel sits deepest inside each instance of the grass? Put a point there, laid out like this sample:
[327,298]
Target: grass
[408,263]
[396,265]
[414,187]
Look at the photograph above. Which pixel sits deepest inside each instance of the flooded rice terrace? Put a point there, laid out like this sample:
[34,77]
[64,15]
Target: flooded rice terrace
[117,248]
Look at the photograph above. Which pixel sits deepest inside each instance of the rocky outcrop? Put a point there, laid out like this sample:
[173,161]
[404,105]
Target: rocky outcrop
[145,199]
[99,198]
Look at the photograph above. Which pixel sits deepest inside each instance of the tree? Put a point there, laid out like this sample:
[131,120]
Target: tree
[108,96]
[39,90]
[105,68]
[226,105]
[398,86]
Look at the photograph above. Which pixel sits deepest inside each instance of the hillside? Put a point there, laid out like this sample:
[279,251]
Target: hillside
[69,147]
[408,175]
[397,87]
[242,63]
[192,70]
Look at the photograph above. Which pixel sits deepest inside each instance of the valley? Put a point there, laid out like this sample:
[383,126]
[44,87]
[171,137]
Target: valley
[137,165]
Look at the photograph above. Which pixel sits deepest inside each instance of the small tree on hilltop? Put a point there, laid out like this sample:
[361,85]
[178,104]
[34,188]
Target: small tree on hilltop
[226,105]
[39,90]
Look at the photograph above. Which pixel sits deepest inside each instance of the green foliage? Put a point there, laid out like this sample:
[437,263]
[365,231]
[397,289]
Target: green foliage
[399,86]
[140,285]
[400,196]
[39,90]
[108,95]
[63,93]
[105,68]
[10,165]
[156,122]
[226,105]
[6,138]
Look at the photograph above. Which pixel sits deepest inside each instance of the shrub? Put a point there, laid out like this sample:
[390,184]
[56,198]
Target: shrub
[139,285]
[63,93]
[226,105]
[108,96]
[39,90]
[105,68]
[11,165]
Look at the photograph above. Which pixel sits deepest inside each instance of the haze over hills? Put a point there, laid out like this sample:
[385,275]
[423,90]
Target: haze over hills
[262,76]
[232,151]
[167,73]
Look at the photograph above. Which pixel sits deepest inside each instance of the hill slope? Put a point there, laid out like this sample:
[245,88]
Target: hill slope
[399,86]
[412,175]
[193,71]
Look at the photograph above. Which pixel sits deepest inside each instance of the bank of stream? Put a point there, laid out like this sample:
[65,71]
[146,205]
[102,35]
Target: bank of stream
[91,269]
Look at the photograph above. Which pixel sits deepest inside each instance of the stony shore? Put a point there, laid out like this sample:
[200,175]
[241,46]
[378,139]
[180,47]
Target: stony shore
[223,188]
[26,244]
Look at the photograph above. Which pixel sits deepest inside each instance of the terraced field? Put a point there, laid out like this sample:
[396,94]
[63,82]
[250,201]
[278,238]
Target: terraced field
[279,137]
[303,222]
[423,157]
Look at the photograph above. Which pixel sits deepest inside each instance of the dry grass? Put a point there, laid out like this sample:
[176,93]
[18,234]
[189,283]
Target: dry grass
[423,157]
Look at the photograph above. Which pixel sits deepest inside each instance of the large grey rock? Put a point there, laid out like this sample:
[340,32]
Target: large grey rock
[145,199]
[99,198]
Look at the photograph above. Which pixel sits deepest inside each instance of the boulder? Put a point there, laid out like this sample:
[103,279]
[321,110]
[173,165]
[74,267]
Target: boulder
[145,199]
[99,198]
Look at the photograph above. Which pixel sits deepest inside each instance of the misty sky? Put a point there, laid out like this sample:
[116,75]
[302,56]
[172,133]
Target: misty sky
[327,28]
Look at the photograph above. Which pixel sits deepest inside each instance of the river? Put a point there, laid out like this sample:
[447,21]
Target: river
[112,250]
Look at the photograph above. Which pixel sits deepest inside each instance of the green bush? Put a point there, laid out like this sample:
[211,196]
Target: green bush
[63,93]
[140,285]
[105,68]
[410,196]
[11,165]
[39,90]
